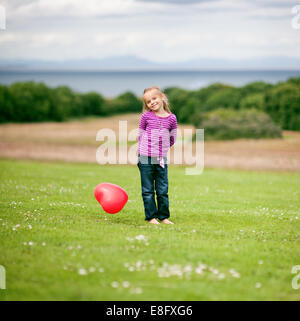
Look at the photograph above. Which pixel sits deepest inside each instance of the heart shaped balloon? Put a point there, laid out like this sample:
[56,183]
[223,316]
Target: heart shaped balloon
[111,197]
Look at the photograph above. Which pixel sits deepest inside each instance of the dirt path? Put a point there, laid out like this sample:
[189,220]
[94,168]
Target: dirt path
[76,142]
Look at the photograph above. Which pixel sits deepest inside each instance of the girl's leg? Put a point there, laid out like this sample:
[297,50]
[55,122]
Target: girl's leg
[161,187]
[148,193]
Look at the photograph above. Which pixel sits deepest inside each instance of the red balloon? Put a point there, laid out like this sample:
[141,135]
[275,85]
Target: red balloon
[111,197]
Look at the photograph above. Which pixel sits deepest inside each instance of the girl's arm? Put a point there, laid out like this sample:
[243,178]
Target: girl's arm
[173,131]
[142,127]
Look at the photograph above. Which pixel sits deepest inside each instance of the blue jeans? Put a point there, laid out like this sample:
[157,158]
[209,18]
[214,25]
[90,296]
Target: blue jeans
[154,178]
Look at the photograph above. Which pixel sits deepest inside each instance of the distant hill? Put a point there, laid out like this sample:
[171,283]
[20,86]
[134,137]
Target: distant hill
[131,62]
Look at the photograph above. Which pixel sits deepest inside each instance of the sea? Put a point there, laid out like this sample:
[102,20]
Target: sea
[113,83]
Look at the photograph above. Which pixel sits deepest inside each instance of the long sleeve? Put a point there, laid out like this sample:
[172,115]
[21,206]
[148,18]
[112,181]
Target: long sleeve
[173,131]
[142,127]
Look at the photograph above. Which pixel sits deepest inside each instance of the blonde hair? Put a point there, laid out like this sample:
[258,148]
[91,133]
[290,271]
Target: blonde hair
[162,94]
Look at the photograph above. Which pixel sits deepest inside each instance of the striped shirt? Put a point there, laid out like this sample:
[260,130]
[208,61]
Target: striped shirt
[156,135]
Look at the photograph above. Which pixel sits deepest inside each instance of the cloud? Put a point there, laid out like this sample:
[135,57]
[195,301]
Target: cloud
[101,8]
[77,8]
[275,3]
[7,38]
[178,2]
[16,3]
[156,30]
[38,40]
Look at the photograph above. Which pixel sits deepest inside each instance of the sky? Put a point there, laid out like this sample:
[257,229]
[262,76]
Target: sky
[157,30]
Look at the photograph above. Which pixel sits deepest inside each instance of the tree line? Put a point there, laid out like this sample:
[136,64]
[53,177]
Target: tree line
[280,101]
[35,102]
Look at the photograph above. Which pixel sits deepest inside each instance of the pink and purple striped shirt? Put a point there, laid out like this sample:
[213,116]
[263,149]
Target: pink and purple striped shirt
[156,135]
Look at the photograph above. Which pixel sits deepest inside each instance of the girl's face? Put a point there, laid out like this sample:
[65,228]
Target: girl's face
[153,100]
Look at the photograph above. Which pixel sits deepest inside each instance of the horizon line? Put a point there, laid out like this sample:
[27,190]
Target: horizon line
[146,70]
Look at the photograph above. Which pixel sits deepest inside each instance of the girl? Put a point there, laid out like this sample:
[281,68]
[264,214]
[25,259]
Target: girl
[157,133]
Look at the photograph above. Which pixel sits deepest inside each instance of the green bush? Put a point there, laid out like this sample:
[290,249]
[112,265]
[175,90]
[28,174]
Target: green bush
[204,93]
[229,124]
[185,115]
[256,87]
[282,103]
[63,104]
[125,103]
[32,102]
[91,104]
[253,101]
[294,81]
[227,97]
[178,99]
[7,111]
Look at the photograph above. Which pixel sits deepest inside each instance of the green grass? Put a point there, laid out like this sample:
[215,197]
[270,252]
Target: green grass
[246,221]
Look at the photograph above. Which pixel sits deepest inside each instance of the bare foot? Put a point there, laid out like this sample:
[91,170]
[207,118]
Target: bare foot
[166,221]
[153,221]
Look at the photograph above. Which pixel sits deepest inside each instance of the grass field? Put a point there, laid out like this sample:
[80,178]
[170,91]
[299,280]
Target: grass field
[236,235]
